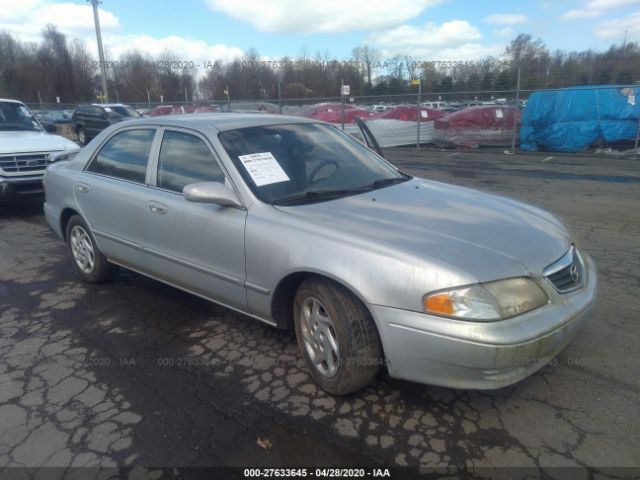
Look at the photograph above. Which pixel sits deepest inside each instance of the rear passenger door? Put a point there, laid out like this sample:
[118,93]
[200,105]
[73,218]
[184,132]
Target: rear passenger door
[102,120]
[197,246]
[110,190]
[94,121]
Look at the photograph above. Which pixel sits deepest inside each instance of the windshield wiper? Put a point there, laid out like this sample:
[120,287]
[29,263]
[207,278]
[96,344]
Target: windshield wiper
[385,182]
[323,195]
[315,195]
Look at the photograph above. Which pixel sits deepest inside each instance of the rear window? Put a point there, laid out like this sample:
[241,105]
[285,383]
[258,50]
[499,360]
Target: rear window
[124,111]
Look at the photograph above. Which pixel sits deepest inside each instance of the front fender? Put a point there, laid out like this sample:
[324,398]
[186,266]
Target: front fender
[278,244]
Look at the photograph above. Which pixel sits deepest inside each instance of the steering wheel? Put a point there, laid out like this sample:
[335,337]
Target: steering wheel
[317,169]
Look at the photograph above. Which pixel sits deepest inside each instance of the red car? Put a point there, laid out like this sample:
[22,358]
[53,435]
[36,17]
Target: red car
[332,112]
[490,125]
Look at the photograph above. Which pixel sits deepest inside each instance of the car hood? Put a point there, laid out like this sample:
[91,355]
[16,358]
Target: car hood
[487,236]
[23,142]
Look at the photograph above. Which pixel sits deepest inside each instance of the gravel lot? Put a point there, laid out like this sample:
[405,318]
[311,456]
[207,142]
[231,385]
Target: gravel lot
[135,373]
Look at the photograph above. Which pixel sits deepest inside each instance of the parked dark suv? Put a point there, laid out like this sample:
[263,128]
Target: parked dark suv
[89,120]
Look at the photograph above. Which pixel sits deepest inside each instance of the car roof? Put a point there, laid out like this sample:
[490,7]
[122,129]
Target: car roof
[106,105]
[102,105]
[220,121]
[10,100]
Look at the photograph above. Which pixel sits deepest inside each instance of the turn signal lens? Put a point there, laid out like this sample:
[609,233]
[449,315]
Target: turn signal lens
[441,304]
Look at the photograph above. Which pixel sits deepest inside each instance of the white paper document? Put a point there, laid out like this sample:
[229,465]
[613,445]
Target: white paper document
[263,168]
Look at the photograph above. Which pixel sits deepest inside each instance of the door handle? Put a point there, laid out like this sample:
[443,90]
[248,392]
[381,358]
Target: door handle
[158,208]
[82,187]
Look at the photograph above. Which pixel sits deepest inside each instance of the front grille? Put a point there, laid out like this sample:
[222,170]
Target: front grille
[566,274]
[24,164]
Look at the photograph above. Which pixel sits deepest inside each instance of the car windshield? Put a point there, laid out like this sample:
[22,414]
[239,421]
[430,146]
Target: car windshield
[122,111]
[15,116]
[305,162]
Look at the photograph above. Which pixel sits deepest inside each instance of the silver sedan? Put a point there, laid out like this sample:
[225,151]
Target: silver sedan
[300,226]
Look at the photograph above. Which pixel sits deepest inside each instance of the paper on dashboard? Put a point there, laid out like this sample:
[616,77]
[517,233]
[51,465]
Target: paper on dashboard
[263,168]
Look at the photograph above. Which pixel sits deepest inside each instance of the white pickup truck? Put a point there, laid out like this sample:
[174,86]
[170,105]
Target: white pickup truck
[25,150]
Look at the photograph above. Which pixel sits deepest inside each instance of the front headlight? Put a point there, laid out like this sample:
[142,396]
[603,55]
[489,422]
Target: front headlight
[487,301]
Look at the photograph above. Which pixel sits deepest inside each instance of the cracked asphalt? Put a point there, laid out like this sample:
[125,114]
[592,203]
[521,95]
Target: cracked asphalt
[134,373]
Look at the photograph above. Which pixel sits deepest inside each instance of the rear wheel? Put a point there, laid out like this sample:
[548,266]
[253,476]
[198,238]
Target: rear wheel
[90,263]
[336,335]
[82,136]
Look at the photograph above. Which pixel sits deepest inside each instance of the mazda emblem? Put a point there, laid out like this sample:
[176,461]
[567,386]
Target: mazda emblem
[575,275]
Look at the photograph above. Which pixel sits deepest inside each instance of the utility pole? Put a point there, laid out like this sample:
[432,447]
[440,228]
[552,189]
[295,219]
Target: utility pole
[418,82]
[419,113]
[103,67]
[342,101]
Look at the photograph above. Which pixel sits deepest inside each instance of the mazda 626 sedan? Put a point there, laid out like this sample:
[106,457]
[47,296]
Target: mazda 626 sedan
[297,224]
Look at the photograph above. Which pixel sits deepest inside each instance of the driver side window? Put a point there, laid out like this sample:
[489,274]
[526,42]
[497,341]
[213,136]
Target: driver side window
[185,159]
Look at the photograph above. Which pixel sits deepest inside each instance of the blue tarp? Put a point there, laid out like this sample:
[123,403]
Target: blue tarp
[572,119]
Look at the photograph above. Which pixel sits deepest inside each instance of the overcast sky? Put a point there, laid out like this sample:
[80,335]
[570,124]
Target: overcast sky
[425,29]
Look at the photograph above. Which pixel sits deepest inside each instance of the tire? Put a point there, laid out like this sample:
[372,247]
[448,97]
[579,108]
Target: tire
[358,356]
[82,136]
[89,262]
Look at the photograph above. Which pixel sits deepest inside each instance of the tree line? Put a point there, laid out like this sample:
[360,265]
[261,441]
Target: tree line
[62,68]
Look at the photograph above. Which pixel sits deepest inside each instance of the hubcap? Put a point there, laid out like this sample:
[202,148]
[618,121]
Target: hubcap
[319,337]
[81,136]
[82,249]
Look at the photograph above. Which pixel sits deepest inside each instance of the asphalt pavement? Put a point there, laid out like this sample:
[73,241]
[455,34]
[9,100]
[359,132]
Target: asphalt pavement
[134,373]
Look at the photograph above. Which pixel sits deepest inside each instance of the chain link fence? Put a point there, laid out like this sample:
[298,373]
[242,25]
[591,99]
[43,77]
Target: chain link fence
[602,119]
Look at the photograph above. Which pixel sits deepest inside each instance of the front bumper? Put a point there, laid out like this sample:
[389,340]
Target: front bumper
[481,355]
[22,186]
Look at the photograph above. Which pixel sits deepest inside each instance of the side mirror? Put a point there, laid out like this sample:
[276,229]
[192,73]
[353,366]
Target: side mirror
[211,192]
[49,127]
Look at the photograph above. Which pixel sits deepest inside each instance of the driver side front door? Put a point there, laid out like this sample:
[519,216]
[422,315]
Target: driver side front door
[197,246]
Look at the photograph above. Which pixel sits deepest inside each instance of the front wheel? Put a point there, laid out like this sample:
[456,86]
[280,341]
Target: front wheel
[337,336]
[90,263]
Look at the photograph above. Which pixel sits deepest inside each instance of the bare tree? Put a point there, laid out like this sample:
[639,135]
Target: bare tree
[57,66]
[54,54]
[370,58]
[83,70]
